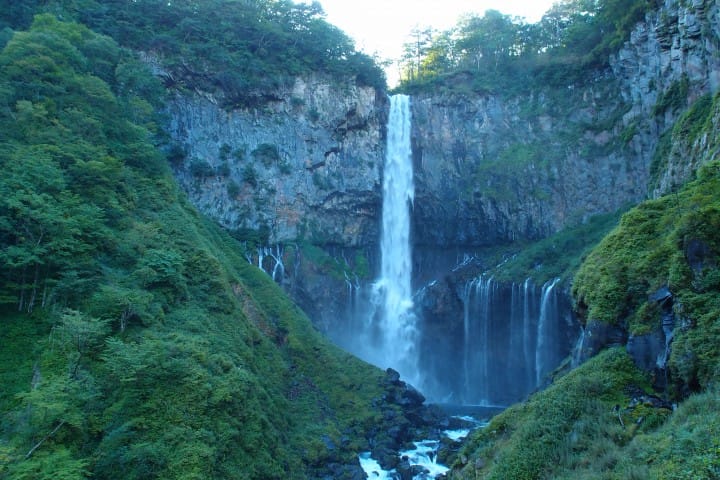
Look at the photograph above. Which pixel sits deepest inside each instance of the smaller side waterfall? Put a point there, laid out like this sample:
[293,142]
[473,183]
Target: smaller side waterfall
[545,331]
[511,340]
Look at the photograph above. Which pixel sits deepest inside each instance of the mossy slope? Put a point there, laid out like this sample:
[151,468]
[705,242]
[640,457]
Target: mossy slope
[137,341]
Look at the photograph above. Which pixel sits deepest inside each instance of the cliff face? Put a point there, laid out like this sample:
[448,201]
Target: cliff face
[304,165]
[489,168]
[493,169]
[671,60]
[497,167]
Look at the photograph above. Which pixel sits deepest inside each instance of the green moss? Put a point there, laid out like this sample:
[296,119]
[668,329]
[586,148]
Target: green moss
[648,250]
[557,428]
[674,98]
[557,256]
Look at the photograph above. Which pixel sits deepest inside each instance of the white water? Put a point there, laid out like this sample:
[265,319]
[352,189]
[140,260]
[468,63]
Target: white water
[542,336]
[424,454]
[392,293]
[372,468]
[511,340]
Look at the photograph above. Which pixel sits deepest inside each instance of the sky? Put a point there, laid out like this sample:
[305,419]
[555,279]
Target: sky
[382,26]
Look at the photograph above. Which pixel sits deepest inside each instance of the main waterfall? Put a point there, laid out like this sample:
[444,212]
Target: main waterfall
[384,331]
[392,293]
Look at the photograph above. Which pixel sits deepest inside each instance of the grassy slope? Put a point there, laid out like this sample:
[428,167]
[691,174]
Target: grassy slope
[159,353]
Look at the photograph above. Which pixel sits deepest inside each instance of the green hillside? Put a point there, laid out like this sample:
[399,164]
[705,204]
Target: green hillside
[137,342]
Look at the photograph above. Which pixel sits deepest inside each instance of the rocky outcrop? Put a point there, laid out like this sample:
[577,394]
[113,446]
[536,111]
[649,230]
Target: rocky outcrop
[304,165]
[670,61]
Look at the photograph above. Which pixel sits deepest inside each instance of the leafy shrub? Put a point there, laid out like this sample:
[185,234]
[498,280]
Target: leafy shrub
[266,153]
[233,189]
[201,168]
[250,176]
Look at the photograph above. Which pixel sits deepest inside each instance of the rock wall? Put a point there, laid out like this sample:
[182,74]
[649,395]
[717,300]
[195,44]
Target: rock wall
[498,167]
[304,165]
[494,169]
[676,51]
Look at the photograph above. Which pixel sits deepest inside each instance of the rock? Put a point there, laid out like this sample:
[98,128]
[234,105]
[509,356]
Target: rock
[347,472]
[411,397]
[660,295]
[651,351]
[647,350]
[323,176]
[699,255]
[596,336]
[392,377]
[409,472]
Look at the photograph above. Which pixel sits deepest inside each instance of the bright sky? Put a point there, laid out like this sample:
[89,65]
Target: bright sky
[382,26]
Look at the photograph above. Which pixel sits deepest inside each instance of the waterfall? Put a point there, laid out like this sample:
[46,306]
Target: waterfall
[510,340]
[528,307]
[392,293]
[548,309]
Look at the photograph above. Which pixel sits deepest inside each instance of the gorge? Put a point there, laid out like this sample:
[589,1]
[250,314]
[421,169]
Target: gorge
[201,201]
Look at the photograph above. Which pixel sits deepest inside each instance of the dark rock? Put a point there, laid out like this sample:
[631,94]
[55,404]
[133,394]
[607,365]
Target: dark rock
[646,350]
[392,377]
[387,457]
[597,336]
[699,255]
[346,472]
[660,295]
[329,444]
[409,472]
[651,352]
[411,397]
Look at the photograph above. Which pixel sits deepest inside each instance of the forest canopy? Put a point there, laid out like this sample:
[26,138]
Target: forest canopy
[495,51]
[241,49]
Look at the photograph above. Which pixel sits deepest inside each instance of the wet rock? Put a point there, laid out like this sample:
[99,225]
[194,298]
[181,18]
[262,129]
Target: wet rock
[596,336]
[347,472]
[409,472]
[651,351]
[699,255]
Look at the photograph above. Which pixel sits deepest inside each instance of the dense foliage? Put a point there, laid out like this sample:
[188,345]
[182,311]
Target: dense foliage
[497,52]
[598,422]
[137,342]
[671,241]
[239,50]
[557,256]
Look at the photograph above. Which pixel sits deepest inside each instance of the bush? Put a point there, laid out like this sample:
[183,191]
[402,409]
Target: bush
[250,176]
[266,153]
[201,169]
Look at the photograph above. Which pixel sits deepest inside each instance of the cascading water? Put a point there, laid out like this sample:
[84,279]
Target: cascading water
[511,341]
[545,332]
[394,289]
[389,334]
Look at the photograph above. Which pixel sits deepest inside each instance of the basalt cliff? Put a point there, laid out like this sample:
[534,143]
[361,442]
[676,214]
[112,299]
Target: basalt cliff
[490,169]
